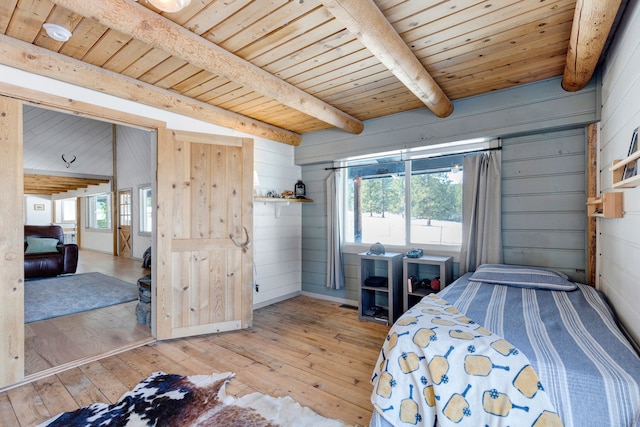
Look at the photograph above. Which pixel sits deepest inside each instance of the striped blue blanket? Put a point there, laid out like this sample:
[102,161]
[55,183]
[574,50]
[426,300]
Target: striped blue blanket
[588,369]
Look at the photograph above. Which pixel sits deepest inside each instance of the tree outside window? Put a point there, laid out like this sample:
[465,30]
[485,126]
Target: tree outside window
[99,211]
[377,202]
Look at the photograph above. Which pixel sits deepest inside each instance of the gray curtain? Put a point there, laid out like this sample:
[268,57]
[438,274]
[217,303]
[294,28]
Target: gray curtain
[335,272]
[481,207]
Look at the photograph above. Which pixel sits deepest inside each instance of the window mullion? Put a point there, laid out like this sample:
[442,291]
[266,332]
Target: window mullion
[407,202]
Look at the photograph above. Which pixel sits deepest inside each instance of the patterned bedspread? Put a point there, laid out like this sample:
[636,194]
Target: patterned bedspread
[588,372]
[438,365]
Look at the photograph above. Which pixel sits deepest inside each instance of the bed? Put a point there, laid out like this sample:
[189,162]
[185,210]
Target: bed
[508,346]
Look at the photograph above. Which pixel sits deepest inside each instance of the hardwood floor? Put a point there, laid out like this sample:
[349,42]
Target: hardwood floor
[60,341]
[315,351]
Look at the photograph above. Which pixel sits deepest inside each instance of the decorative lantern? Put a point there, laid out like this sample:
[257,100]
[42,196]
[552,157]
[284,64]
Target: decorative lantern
[300,190]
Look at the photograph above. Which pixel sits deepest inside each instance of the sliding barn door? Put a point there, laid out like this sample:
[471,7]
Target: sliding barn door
[204,271]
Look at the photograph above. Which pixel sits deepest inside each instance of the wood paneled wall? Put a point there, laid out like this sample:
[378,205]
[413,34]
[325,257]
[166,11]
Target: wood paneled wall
[543,201]
[527,109]
[525,117]
[278,246]
[619,249]
[49,134]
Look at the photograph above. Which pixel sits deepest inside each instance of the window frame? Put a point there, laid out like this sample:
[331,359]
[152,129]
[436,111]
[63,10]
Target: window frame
[141,210]
[91,212]
[439,150]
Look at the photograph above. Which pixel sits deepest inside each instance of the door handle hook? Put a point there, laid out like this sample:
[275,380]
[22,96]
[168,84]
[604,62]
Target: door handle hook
[243,245]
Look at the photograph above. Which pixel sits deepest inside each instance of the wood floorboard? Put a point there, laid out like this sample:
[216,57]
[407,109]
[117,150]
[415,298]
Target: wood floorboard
[313,350]
[59,341]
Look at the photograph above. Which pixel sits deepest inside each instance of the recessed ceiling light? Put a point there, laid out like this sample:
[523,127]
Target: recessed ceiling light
[57,32]
[170,5]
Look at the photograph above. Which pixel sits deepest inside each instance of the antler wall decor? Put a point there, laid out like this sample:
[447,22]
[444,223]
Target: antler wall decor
[68,162]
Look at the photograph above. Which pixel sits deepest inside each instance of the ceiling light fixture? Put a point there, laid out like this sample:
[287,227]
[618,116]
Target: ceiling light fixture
[170,5]
[57,32]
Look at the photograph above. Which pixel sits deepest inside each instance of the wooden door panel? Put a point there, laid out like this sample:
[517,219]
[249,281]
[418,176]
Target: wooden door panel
[204,281]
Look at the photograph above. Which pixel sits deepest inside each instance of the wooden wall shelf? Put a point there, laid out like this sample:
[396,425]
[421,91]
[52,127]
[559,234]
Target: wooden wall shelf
[278,203]
[281,200]
[607,206]
[618,170]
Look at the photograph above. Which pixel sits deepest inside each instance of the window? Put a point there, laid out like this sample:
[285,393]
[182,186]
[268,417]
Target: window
[99,212]
[405,202]
[66,210]
[146,210]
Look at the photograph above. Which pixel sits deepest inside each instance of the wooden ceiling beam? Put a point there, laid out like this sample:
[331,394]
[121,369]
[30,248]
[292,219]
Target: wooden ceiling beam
[592,22]
[28,57]
[369,25]
[144,24]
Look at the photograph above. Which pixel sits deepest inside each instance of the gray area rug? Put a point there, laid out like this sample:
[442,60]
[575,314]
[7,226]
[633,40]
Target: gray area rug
[57,296]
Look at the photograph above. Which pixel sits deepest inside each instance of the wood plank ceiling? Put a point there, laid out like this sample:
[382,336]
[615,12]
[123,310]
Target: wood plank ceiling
[53,184]
[282,68]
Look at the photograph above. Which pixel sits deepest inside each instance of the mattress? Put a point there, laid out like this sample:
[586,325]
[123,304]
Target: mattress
[588,370]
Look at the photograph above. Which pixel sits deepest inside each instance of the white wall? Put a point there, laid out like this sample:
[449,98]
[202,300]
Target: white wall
[278,246]
[37,217]
[273,160]
[619,249]
[136,168]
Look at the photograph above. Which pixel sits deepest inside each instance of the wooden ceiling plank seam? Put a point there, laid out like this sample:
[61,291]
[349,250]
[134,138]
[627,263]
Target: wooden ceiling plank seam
[157,31]
[37,60]
[395,11]
[431,17]
[203,92]
[528,34]
[518,54]
[86,35]
[241,21]
[151,59]
[7,8]
[371,27]
[162,70]
[244,98]
[358,72]
[360,78]
[443,41]
[270,23]
[502,77]
[357,59]
[262,51]
[210,16]
[223,93]
[27,20]
[178,76]
[194,82]
[352,95]
[132,51]
[483,57]
[334,47]
[483,31]
[107,45]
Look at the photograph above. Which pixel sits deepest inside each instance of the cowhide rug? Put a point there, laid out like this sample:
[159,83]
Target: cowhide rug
[196,400]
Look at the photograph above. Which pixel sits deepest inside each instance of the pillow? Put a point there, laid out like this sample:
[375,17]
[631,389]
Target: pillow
[37,245]
[522,276]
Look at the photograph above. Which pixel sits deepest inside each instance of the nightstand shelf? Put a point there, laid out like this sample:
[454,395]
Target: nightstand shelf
[607,206]
[425,267]
[383,303]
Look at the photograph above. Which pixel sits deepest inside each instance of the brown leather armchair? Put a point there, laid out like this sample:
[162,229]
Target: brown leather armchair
[61,259]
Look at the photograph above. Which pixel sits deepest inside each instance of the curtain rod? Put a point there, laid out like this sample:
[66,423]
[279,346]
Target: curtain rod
[402,161]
